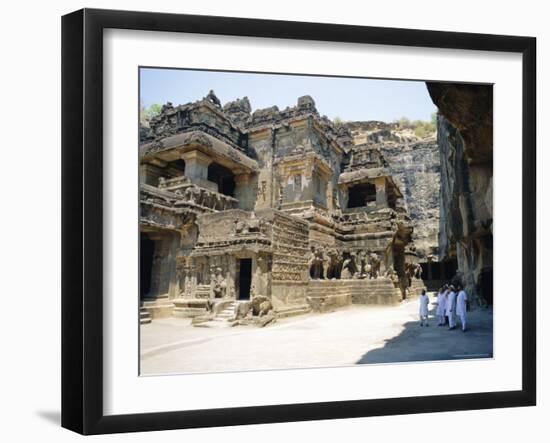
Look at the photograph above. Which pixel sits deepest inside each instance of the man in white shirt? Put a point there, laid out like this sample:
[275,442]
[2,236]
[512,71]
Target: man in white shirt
[423,312]
[461,306]
[450,308]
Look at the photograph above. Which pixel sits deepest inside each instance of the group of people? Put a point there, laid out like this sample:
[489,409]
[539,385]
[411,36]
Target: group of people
[451,302]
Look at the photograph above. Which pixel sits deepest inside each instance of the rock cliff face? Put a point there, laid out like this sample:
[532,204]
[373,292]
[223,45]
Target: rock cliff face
[466,151]
[414,164]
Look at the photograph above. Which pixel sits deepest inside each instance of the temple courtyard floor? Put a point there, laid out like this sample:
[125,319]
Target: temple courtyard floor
[348,336]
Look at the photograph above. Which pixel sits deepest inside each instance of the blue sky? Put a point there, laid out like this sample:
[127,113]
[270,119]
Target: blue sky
[348,99]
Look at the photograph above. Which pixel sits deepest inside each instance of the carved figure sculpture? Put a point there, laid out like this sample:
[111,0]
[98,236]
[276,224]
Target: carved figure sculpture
[325,257]
[214,99]
[374,262]
[334,267]
[241,227]
[349,268]
[316,261]
[220,285]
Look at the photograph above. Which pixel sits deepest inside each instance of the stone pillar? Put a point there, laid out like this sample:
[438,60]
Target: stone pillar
[196,165]
[308,182]
[171,265]
[381,196]
[192,276]
[244,191]
[231,274]
[143,174]
[182,275]
[330,195]
[259,276]
[149,174]
[344,197]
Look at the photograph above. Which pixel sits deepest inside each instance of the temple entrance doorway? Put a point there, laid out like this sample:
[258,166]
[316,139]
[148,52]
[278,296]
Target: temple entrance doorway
[486,285]
[147,249]
[245,278]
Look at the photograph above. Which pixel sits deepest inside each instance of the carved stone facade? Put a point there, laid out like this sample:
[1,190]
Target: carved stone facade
[275,206]
[465,139]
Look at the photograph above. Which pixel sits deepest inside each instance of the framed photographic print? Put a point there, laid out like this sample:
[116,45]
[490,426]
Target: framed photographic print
[270,221]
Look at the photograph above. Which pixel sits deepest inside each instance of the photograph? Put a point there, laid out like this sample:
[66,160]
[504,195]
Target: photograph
[302,221]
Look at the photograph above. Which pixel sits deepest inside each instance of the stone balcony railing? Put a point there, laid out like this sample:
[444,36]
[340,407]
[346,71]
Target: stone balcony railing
[188,193]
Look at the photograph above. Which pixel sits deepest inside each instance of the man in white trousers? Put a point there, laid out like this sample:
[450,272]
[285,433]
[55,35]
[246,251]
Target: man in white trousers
[450,308]
[461,306]
[440,311]
[423,312]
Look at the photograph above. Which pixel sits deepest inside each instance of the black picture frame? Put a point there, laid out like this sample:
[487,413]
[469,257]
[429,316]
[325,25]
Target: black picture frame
[82,218]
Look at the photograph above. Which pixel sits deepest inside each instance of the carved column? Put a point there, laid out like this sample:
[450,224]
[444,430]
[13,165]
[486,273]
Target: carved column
[329,195]
[196,165]
[192,276]
[381,196]
[344,197]
[258,286]
[231,267]
[244,191]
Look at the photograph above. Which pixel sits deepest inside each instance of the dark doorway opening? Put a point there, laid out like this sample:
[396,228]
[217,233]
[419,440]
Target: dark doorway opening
[449,269]
[147,249]
[176,168]
[486,285]
[360,195]
[245,278]
[223,177]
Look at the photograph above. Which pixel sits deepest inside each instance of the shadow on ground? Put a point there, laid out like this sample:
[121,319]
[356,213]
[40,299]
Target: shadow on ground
[416,343]
[54,417]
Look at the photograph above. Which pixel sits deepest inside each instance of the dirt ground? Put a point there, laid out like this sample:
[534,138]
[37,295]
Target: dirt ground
[349,336]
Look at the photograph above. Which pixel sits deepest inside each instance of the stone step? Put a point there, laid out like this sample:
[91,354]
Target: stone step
[291,311]
[144,316]
[155,304]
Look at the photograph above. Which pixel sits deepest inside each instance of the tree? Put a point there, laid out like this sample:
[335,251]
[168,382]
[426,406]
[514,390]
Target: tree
[421,128]
[148,113]
[404,122]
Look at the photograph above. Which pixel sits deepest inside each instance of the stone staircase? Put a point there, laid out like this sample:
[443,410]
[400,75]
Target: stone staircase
[160,307]
[222,318]
[144,316]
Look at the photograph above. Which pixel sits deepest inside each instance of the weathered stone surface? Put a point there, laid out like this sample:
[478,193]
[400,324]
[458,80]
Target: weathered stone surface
[243,212]
[466,220]
[466,150]
[239,111]
[469,108]
[413,163]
